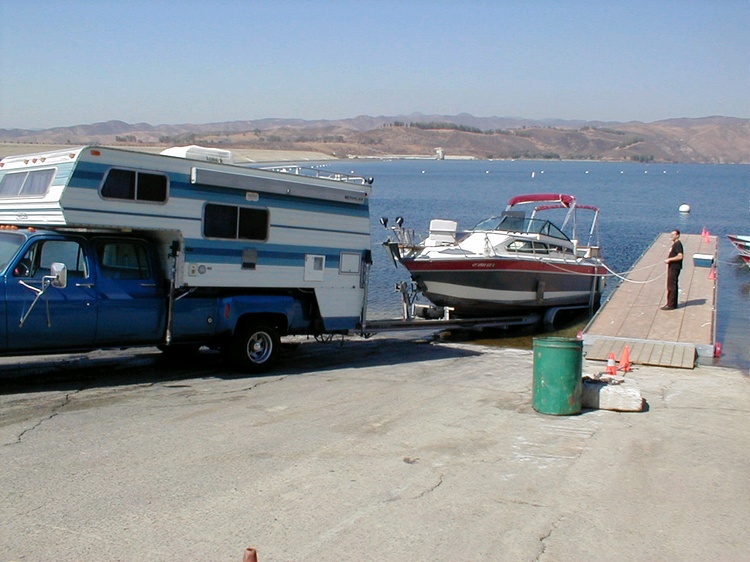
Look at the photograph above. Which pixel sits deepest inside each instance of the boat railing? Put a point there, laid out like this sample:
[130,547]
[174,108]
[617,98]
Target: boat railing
[318,173]
[407,237]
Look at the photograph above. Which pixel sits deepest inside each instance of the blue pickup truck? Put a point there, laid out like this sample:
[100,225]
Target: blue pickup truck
[63,292]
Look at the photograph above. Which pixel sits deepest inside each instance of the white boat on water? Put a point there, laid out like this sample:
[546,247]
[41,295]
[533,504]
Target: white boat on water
[742,243]
[514,263]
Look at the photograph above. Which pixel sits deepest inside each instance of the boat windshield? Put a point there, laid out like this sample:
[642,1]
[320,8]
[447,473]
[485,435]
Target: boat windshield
[488,224]
[522,225]
[10,243]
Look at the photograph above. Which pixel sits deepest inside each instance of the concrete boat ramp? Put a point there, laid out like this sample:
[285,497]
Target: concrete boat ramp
[633,317]
[381,449]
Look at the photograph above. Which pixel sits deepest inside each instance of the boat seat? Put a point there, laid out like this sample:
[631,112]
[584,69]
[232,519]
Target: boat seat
[442,232]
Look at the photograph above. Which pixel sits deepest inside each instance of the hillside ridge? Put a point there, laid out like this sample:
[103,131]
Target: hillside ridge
[714,139]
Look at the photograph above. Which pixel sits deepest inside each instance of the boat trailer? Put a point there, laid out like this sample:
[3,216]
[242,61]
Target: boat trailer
[429,317]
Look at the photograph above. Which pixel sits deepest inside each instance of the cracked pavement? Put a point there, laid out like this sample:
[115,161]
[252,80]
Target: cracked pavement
[382,449]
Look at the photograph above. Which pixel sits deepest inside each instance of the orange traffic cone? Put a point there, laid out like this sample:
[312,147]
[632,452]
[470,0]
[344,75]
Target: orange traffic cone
[625,365]
[706,235]
[712,273]
[611,367]
[250,555]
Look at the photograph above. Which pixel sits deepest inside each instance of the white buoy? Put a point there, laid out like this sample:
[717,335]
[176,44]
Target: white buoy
[684,208]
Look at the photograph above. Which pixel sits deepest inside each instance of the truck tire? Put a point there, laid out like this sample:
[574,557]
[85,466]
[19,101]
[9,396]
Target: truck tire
[255,348]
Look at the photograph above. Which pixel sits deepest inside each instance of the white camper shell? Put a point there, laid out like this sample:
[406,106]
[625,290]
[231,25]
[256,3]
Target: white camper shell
[229,226]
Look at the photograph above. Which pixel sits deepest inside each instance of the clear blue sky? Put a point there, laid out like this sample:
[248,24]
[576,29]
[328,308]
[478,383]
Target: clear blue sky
[69,62]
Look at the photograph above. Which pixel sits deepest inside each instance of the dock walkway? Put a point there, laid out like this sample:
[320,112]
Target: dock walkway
[632,316]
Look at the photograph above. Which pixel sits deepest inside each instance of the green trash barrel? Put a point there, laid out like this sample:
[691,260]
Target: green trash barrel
[557,376]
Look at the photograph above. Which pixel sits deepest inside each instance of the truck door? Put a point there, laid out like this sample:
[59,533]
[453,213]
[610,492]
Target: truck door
[63,318]
[132,305]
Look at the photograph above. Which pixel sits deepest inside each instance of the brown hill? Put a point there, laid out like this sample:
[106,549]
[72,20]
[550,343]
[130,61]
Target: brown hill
[720,140]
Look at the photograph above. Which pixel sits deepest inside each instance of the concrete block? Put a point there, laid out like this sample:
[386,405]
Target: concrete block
[625,397]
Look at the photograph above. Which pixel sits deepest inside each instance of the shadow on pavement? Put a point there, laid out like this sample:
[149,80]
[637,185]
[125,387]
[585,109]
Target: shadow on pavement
[149,366]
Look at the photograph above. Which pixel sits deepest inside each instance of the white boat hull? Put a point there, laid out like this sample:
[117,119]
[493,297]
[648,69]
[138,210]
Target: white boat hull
[495,287]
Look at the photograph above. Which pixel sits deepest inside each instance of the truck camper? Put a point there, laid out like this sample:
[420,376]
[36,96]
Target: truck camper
[103,247]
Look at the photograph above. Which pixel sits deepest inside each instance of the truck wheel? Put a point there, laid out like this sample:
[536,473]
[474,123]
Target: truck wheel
[255,348]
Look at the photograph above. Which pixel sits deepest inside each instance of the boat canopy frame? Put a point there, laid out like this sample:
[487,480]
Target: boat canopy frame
[559,198]
[560,201]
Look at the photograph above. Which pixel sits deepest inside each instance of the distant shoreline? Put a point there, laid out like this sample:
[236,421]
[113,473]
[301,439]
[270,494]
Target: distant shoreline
[252,155]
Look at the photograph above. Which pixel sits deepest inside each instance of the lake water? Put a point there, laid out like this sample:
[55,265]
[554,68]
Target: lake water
[637,202]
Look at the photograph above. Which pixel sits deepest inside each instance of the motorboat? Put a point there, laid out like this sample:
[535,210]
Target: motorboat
[742,243]
[514,263]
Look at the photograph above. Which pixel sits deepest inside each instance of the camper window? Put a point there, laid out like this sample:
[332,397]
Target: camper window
[135,186]
[235,223]
[253,224]
[119,184]
[152,187]
[26,184]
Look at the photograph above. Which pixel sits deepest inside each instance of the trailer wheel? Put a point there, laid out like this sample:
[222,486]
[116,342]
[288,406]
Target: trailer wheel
[255,348]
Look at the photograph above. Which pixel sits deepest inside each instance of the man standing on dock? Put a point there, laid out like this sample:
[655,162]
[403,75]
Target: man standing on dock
[674,266]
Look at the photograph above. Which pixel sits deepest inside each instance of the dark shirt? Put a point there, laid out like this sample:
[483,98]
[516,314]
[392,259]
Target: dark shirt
[676,249]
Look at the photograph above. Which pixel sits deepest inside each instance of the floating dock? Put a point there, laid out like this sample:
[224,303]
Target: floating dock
[632,316]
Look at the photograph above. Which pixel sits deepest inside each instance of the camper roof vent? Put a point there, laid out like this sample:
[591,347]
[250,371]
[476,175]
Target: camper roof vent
[194,152]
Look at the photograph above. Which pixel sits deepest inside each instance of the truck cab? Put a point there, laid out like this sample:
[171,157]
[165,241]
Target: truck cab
[114,294]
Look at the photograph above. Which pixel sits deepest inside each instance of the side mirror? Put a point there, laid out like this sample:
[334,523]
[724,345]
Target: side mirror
[60,275]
